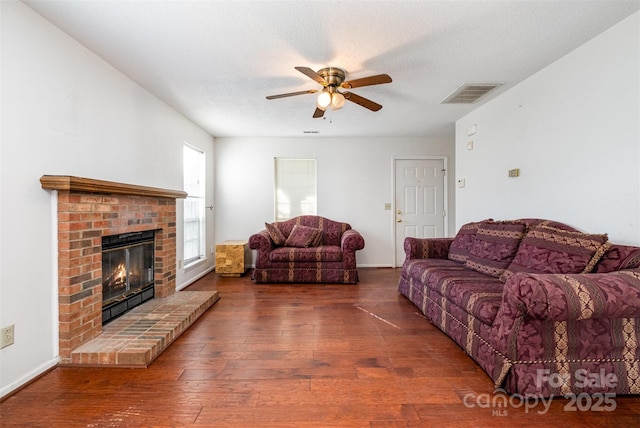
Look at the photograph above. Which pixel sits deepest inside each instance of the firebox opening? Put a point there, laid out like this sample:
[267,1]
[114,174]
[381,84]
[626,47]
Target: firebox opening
[127,272]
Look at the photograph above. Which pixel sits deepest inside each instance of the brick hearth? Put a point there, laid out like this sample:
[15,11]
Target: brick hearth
[136,338]
[88,210]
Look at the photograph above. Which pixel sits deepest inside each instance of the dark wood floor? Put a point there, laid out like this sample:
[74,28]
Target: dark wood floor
[297,355]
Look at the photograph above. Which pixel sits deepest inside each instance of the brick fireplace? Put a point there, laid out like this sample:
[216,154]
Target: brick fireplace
[88,210]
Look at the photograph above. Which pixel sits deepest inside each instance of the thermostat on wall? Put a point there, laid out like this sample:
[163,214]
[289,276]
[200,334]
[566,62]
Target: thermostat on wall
[472,129]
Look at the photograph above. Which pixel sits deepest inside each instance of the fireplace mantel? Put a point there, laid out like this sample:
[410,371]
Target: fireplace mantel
[90,185]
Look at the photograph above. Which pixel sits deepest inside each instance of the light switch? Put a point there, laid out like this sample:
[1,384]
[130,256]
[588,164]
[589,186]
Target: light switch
[387,206]
[470,145]
[514,172]
[461,182]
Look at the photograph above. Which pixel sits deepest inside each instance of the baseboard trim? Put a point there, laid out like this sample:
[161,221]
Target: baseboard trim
[30,377]
[195,278]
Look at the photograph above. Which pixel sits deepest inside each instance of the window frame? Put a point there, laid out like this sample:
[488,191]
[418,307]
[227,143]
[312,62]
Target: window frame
[284,177]
[193,207]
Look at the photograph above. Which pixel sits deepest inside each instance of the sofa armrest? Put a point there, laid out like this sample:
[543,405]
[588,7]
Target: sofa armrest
[558,297]
[426,248]
[261,241]
[351,240]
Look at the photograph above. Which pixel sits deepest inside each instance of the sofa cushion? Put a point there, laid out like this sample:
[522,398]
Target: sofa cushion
[619,257]
[332,231]
[303,236]
[494,247]
[275,234]
[477,294]
[323,253]
[480,299]
[421,269]
[462,243]
[546,249]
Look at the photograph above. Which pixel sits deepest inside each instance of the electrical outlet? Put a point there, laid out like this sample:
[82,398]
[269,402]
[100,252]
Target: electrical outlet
[6,336]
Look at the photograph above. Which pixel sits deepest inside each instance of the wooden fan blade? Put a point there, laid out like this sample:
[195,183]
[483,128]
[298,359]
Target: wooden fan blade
[318,113]
[312,74]
[367,81]
[361,101]
[291,94]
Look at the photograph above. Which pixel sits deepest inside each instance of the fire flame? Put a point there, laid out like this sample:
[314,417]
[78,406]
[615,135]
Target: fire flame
[120,274]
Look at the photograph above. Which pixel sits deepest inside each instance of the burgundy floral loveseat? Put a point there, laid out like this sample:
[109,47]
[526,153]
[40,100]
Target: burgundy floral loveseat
[306,249]
[544,309]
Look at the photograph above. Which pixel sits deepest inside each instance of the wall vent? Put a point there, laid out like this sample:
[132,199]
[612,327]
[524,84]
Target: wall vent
[470,92]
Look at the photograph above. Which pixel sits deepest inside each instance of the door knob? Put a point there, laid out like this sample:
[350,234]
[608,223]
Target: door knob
[399,220]
[399,212]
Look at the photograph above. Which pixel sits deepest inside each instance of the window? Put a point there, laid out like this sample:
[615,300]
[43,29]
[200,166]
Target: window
[194,185]
[295,188]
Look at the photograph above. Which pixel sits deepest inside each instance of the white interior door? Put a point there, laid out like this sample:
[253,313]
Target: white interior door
[419,201]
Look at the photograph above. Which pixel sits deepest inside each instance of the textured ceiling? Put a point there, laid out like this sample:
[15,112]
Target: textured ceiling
[215,61]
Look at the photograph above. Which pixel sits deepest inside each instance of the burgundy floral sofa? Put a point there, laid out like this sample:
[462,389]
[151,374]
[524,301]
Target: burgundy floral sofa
[544,309]
[306,249]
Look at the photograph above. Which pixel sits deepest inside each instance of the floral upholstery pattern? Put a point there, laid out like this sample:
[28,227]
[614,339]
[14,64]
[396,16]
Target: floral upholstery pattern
[275,234]
[303,236]
[478,294]
[463,242]
[535,322]
[325,253]
[332,260]
[435,248]
[494,247]
[550,250]
[619,257]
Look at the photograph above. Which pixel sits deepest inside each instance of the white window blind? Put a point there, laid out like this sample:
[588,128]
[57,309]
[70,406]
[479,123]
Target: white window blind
[194,185]
[296,185]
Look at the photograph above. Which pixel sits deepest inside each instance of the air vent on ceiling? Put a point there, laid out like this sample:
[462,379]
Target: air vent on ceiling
[470,92]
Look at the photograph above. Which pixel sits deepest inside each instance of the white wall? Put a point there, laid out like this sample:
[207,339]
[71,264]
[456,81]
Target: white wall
[65,111]
[573,129]
[354,183]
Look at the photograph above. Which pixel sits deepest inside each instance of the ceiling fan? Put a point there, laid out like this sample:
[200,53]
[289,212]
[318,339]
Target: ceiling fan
[332,78]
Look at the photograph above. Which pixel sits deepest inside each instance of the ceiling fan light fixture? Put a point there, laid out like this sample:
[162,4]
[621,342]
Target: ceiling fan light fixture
[324,100]
[337,101]
[331,79]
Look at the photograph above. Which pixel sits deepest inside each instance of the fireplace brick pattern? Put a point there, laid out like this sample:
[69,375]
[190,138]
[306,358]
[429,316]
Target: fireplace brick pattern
[83,219]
